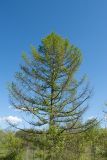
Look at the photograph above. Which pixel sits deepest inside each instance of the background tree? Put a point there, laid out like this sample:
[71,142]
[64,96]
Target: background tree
[11,147]
[46,88]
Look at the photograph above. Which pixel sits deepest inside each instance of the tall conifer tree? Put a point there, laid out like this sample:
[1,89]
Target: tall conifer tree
[46,86]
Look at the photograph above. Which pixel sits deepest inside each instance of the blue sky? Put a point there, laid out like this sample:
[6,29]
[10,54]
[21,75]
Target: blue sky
[83,22]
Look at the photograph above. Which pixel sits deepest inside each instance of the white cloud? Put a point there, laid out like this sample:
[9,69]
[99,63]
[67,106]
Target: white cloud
[91,118]
[14,120]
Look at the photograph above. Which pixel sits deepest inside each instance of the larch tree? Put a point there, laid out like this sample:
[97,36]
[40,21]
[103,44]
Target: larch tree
[47,88]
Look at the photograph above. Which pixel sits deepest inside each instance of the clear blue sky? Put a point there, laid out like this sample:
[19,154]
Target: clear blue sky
[83,22]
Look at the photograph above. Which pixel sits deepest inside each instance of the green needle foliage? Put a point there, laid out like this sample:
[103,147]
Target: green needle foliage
[46,88]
